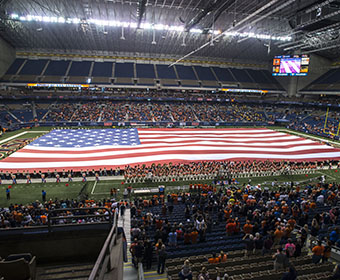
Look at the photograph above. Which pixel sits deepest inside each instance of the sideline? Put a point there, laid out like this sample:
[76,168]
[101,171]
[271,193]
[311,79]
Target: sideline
[308,136]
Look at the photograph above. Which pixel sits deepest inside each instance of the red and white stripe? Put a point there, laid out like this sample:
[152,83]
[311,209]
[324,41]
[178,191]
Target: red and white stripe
[174,145]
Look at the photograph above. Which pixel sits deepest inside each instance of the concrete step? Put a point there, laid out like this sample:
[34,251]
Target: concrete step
[63,272]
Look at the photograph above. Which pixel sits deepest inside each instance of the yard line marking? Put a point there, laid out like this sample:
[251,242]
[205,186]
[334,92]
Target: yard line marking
[13,137]
[328,175]
[94,186]
[20,134]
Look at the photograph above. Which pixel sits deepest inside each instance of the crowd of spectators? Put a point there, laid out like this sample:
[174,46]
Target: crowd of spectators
[308,120]
[36,213]
[275,222]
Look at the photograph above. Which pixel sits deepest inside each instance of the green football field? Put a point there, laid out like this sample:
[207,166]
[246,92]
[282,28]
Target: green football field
[27,193]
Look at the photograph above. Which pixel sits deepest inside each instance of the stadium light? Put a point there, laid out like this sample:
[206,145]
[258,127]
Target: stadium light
[145,25]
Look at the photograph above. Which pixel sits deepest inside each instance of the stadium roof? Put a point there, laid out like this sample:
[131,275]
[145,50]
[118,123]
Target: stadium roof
[253,30]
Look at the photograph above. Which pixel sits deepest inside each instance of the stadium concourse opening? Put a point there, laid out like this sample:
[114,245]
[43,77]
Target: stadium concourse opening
[170,139]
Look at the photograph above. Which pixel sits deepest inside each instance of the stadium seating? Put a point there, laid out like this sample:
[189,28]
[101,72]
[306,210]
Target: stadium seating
[206,76]
[167,75]
[55,71]
[328,81]
[13,69]
[31,70]
[187,76]
[18,267]
[224,76]
[124,73]
[66,71]
[145,74]
[79,72]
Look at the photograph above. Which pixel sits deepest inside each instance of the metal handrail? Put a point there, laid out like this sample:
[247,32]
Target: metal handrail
[49,218]
[140,271]
[102,261]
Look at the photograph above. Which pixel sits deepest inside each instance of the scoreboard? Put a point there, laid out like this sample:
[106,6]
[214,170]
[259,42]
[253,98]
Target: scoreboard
[286,65]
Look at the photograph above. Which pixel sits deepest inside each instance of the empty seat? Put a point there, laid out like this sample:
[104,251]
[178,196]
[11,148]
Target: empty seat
[18,267]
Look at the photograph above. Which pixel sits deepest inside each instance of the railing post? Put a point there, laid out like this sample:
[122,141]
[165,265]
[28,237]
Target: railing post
[49,223]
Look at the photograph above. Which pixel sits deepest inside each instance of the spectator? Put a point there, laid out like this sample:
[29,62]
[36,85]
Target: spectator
[193,236]
[298,248]
[280,260]
[258,243]
[162,255]
[204,275]
[290,248]
[277,236]
[267,245]
[173,238]
[148,253]
[327,252]
[317,252]
[214,259]
[139,252]
[334,236]
[222,257]
[185,273]
[249,244]
[291,274]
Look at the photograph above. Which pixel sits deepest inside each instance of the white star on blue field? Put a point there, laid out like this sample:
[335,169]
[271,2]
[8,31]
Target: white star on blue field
[81,138]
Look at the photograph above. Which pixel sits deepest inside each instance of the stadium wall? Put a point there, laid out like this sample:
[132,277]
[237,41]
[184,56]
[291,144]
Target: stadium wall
[7,56]
[317,67]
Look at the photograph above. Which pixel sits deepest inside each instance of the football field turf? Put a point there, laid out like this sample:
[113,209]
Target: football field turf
[27,193]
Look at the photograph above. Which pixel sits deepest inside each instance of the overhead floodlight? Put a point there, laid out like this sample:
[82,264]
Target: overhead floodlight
[14,16]
[196,30]
[145,25]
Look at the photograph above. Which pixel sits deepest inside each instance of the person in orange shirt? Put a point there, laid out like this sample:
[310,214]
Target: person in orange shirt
[312,205]
[227,213]
[194,235]
[292,222]
[285,208]
[277,236]
[248,228]
[230,227]
[213,259]
[318,251]
[43,219]
[222,257]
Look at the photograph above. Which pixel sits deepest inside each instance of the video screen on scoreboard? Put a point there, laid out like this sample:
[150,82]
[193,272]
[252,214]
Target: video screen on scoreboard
[286,65]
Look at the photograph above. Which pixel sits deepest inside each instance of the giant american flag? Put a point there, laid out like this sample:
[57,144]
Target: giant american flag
[87,149]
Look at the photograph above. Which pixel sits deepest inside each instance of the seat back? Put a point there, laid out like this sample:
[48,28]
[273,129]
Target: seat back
[15,270]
